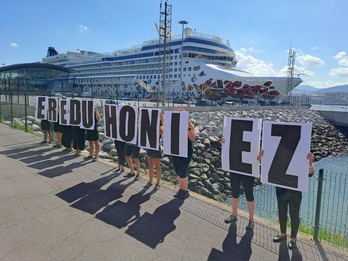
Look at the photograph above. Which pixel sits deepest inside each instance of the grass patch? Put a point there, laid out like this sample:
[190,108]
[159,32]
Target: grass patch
[22,127]
[337,239]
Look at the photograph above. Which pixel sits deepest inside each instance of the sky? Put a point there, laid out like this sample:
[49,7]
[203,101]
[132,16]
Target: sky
[261,32]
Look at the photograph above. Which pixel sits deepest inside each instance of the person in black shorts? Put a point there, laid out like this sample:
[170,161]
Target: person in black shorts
[154,162]
[47,132]
[247,182]
[78,140]
[131,152]
[58,129]
[181,165]
[120,146]
[93,138]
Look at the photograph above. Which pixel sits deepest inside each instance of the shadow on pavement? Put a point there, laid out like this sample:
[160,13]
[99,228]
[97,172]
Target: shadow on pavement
[99,198]
[120,214]
[231,250]
[83,189]
[151,229]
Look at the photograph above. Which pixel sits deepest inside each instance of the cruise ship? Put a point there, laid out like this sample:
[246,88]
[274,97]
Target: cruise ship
[199,66]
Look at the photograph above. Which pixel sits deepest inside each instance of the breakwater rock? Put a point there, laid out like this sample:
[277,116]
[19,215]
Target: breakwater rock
[206,176]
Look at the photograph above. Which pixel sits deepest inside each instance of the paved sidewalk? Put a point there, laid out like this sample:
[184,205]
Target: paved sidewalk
[56,206]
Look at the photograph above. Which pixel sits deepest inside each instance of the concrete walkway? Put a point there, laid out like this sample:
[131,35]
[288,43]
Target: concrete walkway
[56,206]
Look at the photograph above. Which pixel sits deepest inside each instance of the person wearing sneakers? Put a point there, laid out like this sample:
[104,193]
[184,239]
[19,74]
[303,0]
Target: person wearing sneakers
[119,146]
[289,199]
[181,165]
[47,132]
[154,161]
[58,129]
[78,140]
[131,152]
[93,138]
[248,185]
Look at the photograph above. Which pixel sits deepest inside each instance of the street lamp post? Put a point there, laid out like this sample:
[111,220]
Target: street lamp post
[182,22]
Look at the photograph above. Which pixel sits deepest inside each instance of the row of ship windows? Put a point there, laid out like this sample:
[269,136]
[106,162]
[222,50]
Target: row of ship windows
[150,77]
[142,69]
[155,61]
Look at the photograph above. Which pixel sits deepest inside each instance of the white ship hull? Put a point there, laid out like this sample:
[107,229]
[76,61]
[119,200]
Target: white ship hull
[199,66]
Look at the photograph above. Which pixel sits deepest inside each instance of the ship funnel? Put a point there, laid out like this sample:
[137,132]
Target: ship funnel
[51,52]
[188,31]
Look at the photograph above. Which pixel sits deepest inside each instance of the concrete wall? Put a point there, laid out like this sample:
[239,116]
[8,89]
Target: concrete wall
[18,110]
[337,118]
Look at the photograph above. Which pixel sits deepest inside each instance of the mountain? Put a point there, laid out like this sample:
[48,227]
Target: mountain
[340,88]
[307,89]
[304,89]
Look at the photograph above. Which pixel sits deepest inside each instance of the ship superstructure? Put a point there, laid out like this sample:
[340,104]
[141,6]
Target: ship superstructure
[208,71]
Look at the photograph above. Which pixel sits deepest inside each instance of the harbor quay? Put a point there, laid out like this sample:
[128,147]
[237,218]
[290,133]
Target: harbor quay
[55,206]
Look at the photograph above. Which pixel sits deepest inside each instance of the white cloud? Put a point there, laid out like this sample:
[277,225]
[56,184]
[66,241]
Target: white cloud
[14,45]
[309,60]
[342,58]
[340,55]
[341,72]
[82,28]
[253,65]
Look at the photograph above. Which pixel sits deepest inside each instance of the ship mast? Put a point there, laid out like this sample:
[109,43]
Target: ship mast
[165,30]
[291,68]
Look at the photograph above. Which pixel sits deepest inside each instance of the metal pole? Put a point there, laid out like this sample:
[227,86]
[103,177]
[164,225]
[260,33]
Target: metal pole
[25,110]
[0,105]
[318,206]
[182,22]
[11,106]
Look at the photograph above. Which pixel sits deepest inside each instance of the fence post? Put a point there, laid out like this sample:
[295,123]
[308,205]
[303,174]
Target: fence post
[26,110]
[11,106]
[0,106]
[317,210]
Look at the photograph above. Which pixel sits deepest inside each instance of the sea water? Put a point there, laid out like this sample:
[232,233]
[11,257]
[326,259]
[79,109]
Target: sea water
[334,209]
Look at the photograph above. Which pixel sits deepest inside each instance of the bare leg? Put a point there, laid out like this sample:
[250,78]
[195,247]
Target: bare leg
[183,182]
[130,163]
[251,207]
[150,161]
[137,165]
[45,135]
[91,148]
[96,145]
[59,138]
[50,136]
[235,203]
[157,164]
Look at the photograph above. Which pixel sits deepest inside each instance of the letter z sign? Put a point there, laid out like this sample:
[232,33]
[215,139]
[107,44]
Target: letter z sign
[285,146]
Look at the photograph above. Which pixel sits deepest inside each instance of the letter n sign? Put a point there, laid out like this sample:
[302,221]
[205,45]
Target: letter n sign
[285,146]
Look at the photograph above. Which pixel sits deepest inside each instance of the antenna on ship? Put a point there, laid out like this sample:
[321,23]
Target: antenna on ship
[165,29]
[290,76]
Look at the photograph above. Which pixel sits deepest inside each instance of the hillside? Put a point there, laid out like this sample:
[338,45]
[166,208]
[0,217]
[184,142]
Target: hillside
[306,89]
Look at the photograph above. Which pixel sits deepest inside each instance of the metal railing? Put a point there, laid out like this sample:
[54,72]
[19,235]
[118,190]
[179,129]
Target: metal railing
[324,209]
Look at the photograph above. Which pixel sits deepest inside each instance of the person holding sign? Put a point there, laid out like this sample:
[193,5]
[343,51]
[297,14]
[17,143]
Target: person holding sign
[58,129]
[132,155]
[248,185]
[78,140]
[181,164]
[120,145]
[154,161]
[93,138]
[289,199]
[46,128]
